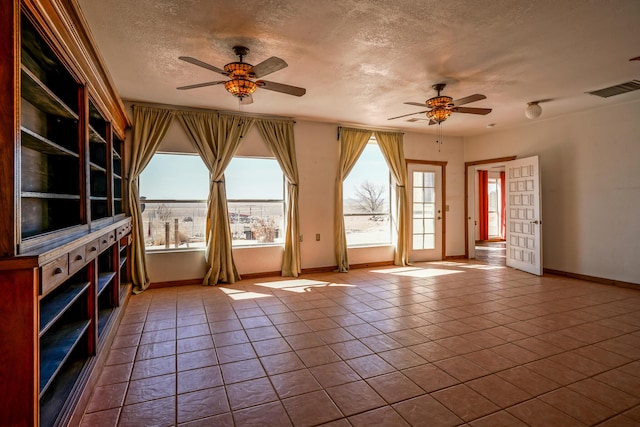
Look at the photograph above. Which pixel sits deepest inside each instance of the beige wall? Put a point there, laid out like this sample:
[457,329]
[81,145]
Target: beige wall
[317,153]
[589,164]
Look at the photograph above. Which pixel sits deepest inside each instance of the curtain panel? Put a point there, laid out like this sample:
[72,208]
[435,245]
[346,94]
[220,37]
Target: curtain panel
[278,134]
[216,137]
[150,126]
[352,143]
[391,145]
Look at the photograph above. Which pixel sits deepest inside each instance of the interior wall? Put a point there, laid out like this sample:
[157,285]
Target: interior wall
[317,155]
[590,186]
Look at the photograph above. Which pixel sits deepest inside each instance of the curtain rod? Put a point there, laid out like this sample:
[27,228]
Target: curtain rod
[368,129]
[205,110]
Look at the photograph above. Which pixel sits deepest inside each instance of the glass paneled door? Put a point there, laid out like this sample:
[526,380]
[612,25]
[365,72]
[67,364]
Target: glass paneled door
[425,183]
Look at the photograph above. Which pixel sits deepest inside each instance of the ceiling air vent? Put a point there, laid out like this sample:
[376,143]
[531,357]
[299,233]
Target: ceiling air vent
[617,89]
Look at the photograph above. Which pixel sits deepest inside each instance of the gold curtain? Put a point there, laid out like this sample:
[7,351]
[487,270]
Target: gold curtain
[391,145]
[352,143]
[149,128]
[216,138]
[278,134]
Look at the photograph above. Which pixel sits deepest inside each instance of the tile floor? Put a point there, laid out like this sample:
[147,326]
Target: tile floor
[436,344]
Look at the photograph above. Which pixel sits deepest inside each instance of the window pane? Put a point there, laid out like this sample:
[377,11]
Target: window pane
[366,200]
[429,210]
[367,229]
[429,226]
[255,195]
[429,179]
[429,241]
[429,195]
[418,195]
[418,226]
[161,220]
[175,177]
[418,210]
[254,178]
[417,242]
[256,223]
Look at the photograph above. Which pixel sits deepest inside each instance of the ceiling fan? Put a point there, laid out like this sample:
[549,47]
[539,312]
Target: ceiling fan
[441,106]
[242,75]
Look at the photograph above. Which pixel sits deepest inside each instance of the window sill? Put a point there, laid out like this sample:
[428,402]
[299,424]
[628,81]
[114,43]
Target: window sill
[365,246]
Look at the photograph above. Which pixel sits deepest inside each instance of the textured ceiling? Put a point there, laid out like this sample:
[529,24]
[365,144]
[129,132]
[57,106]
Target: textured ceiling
[360,60]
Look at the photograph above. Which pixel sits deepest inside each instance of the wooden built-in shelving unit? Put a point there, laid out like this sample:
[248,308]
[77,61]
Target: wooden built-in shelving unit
[65,241]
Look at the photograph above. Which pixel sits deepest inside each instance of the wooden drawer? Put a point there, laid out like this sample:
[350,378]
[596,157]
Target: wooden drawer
[92,249]
[107,240]
[77,259]
[123,231]
[53,274]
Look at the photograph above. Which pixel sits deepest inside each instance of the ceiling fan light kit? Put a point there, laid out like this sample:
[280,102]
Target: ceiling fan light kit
[442,106]
[242,75]
[533,110]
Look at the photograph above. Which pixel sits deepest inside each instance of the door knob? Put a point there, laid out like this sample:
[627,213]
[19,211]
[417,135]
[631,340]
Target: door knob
[535,222]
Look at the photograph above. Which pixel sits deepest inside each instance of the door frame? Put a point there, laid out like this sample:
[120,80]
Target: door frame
[468,195]
[443,165]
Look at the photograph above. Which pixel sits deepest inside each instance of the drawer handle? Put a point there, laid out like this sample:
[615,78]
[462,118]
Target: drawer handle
[79,257]
[58,270]
[105,241]
[93,249]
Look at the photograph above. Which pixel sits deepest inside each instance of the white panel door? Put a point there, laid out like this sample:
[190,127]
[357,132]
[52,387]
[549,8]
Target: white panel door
[425,199]
[524,222]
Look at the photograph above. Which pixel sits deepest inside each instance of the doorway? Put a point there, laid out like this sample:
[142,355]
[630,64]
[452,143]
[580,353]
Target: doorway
[486,244]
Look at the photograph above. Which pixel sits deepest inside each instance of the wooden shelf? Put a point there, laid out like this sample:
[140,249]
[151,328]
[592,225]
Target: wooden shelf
[31,139]
[38,195]
[52,309]
[95,137]
[103,318]
[104,279]
[55,348]
[96,167]
[123,261]
[34,91]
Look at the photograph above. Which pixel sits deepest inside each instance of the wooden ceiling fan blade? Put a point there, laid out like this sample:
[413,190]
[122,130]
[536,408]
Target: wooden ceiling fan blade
[471,110]
[197,85]
[199,63]
[279,87]
[246,100]
[468,99]
[268,66]
[417,104]
[407,115]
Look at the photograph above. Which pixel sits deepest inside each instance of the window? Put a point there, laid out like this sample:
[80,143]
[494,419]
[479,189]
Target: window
[494,207]
[366,199]
[173,195]
[255,196]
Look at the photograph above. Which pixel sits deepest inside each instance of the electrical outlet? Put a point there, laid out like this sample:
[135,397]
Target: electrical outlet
[318,237]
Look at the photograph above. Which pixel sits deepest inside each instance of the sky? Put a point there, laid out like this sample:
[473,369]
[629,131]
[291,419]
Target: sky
[185,177]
